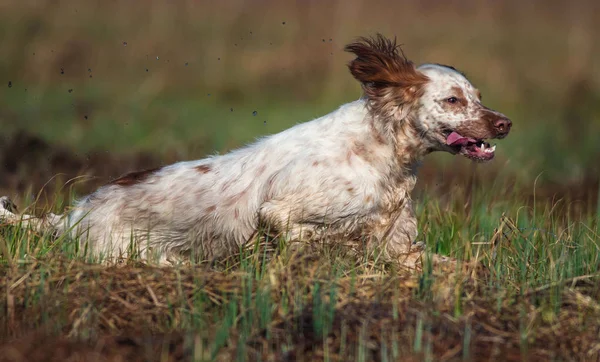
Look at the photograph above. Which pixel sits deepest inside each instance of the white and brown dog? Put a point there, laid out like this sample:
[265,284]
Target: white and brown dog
[345,176]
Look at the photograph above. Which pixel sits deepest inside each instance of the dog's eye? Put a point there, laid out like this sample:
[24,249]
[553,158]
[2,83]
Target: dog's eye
[452,100]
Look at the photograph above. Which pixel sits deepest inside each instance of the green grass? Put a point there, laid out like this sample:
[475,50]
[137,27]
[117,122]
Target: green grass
[323,301]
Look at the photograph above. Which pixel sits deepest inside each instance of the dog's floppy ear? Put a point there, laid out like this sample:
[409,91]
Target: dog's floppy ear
[387,77]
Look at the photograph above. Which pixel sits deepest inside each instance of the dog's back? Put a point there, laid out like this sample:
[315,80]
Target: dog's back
[212,206]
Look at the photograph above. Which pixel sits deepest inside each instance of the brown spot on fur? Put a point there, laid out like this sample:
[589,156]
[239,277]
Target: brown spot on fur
[315,163]
[261,170]
[359,149]
[377,134]
[457,92]
[349,157]
[369,198]
[203,168]
[362,151]
[211,208]
[235,199]
[236,213]
[350,189]
[388,78]
[134,178]
[460,96]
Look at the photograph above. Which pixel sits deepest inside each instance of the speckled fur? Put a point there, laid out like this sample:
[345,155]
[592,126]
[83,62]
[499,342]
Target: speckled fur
[345,176]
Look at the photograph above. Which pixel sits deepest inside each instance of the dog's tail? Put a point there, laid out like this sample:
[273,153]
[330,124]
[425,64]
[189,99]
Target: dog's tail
[49,223]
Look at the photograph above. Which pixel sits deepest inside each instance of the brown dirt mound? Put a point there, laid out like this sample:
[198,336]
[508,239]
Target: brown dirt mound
[39,346]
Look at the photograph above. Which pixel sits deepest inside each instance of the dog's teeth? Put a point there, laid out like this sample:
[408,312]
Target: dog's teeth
[483,146]
[490,149]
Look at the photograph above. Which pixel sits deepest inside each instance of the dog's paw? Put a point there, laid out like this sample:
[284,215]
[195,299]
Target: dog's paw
[417,246]
[7,204]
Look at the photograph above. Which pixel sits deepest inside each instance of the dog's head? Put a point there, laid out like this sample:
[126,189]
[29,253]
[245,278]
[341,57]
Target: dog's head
[451,114]
[438,102]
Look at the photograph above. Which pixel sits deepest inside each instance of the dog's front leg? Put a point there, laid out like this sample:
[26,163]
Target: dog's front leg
[401,245]
[398,234]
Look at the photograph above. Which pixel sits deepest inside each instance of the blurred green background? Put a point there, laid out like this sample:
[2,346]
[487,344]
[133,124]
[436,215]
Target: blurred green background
[102,87]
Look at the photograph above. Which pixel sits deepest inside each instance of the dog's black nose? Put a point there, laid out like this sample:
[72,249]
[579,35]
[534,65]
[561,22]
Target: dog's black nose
[502,125]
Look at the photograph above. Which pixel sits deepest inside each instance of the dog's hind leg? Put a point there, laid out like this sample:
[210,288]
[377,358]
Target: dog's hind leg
[49,223]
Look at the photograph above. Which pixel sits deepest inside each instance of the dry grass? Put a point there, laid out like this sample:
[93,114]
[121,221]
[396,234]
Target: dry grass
[315,312]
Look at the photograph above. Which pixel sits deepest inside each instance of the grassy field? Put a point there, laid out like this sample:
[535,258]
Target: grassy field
[536,298]
[100,88]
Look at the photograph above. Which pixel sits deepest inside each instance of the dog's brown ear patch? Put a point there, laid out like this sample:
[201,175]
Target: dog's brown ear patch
[388,78]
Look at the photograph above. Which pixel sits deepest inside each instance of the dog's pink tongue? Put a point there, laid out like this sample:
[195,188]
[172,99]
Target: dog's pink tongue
[455,139]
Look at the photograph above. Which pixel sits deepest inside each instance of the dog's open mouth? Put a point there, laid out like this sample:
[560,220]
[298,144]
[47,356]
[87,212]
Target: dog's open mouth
[475,149]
